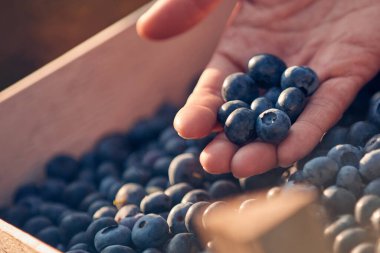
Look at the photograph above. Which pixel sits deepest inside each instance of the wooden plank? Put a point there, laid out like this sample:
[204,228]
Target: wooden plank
[102,85]
[13,240]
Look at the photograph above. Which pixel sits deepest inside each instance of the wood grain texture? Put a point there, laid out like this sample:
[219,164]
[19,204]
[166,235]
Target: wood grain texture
[13,240]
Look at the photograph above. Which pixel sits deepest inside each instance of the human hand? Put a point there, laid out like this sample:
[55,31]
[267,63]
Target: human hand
[338,39]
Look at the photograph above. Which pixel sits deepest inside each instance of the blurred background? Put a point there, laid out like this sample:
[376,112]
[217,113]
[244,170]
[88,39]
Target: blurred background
[34,32]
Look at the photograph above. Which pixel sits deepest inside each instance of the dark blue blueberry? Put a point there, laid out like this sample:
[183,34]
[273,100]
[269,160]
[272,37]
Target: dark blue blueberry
[266,70]
[89,160]
[301,77]
[272,94]
[364,247]
[223,189]
[374,110]
[26,190]
[151,250]
[321,171]
[53,211]
[336,135]
[36,224]
[177,191]
[130,193]
[76,192]
[106,169]
[105,211]
[273,126]
[146,130]
[195,196]
[78,251]
[150,231]
[261,181]
[240,126]
[113,147]
[129,210]
[78,238]
[96,205]
[96,226]
[74,223]
[212,210]
[118,249]
[17,215]
[32,203]
[106,184]
[365,207]
[346,154]
[292,101]
[112,235]
[239,86]
[136,174]
[373,188]
[175,146]
[167,134]
[349,239]
[161,166]
[372,144]
[130,221]
[156,202]
[193,219]
[89,200]
[62,167]
[186,168]
[260,105]
[338,200]
[176,218]
[52,189]
[80,246]
[360,132]
[343,222]
[160,182]
[184,243]
[369,165]
[227,108]
[50,235]
[87,175]
[111,194]
[349,178]
[151,156]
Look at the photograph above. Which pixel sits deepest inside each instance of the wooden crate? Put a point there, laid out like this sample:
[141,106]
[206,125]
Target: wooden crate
[103,85]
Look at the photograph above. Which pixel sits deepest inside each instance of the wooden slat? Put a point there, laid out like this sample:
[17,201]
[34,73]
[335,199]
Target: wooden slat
[102,85]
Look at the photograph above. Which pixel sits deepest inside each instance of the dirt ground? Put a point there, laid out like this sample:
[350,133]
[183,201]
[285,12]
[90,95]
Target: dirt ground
[34,32]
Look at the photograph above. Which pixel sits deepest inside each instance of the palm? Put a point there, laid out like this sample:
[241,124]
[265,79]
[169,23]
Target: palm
[338,39]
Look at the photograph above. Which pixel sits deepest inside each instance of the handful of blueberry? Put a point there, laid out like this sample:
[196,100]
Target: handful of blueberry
[246,115]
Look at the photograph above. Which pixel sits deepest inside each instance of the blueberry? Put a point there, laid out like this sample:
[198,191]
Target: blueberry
[373,188]
[374,111]
[343,222]
[78,238]
[184,243]
[266,70]
[52,211]
[112,235]
[131,220]
[211,211]
[375,221]
[151,156]
[151,250]
[17,215]
[106,184]
[223,189]
[176,218]
[150,231]
[161,166]
[32,203]
[106,169]
[372,144]
[369,165]
[292,101]
[239,86]
[260,105]
[364,248]
[177,191]
[301,77]
[227,108]
[118,249]
[167,134]
[52,189]
[364,208]
[186,168]
[349,178]
[36,224]
[320,171]
[261,181]
[96,226]
[113,147]
[360,132]
[272,94]
[195,196]
[111,194]
[160,182]
[62,167]
[346,154]
[338,200]
[74,223]
[240,126]
[77,251]
[76,192]
[129,210]
[130,193]
[50,235]
[156,202]
[193,219]
[136,174]
[26,190]
[89,200]
[105,211]
[175,146]
[80,246]
[273,126]
[96,206]
[336,135]
[349,239]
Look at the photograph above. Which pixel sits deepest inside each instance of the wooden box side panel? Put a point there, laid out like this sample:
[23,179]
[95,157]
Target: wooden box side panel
[103,85]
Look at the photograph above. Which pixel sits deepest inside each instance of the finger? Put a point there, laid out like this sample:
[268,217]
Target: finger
[323,110]
[216,157]
[254,158]
[167,18]
[198,116]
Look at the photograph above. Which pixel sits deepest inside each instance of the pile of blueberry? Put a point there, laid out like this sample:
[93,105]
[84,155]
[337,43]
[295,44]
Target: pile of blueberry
[246,115]
[137,191]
